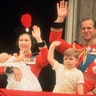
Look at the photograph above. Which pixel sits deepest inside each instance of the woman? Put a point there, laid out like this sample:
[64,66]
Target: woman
[25,43]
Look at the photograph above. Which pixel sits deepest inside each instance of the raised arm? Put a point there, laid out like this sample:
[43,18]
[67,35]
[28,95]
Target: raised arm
[37,34]
[57,26]
[51,52]
[62,11]
[41,59]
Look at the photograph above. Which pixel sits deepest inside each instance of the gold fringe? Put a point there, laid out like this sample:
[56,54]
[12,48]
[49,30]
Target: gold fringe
[85,51]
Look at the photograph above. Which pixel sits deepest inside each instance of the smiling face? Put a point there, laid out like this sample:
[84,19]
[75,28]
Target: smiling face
[87,30]
[25,43]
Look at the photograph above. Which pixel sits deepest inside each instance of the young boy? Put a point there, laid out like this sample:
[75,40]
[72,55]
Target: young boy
[29,82]
[69,80]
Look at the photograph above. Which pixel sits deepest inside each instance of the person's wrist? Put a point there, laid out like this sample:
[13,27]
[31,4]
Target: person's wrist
[41,44]
[94,90]
[57,25]
[9,70]
[60,19]
[39,40]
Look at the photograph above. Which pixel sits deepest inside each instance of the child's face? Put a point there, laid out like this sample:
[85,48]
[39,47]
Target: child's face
[4,57]
[70,61]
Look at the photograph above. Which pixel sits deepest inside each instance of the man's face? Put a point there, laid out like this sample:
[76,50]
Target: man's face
[87,30]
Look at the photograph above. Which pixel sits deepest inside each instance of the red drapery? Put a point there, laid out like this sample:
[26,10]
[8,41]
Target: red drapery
[5,92]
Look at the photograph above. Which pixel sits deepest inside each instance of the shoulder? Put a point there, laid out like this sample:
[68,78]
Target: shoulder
[76,45]
[57,65]
[79,71]
[76,42]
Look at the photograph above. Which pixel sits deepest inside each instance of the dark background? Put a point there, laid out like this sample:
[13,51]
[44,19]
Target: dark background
[43,13]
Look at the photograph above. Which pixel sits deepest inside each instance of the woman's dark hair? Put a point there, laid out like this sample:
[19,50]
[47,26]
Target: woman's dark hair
[20,31]
[32,38]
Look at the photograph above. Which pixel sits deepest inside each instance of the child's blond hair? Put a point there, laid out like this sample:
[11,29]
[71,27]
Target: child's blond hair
[71,52]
